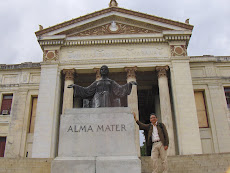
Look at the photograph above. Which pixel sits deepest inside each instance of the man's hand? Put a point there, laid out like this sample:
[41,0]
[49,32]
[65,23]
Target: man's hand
[166,147]
[70,86]
[134,115]
[133,83]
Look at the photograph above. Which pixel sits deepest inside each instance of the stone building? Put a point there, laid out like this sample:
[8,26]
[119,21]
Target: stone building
[191,95]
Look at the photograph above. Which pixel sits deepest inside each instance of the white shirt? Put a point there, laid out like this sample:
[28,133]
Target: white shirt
[155,136]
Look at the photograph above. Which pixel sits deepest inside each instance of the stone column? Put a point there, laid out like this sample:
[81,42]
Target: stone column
[133,101]
[97,71]
[47,115]
[187,128]
[219,121]
[165,106]
[68,92]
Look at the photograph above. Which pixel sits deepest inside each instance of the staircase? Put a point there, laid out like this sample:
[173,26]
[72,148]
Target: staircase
[205,163]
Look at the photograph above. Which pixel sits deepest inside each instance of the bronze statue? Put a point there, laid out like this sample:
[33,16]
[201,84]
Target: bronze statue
[105,92]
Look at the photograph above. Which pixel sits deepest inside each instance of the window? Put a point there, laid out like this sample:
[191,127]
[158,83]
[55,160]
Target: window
[2,146]
[201,109]
[6,104]
[33,114]
[227,95]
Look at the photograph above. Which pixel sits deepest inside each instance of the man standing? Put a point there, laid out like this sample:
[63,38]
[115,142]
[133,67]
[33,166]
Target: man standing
[158,138]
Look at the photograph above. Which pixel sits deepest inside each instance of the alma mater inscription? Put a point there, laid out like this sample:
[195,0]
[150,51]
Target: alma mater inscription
[97,128]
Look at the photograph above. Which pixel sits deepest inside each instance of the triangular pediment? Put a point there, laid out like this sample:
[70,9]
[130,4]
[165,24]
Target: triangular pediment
[112,21]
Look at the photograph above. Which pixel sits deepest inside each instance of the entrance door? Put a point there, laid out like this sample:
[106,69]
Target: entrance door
[146,106]
[2,146]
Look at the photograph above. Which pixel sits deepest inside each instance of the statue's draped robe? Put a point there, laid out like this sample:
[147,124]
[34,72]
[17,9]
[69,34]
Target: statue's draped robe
[105,92]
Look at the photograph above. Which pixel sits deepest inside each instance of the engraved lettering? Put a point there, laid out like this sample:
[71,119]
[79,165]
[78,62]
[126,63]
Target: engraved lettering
[90,128]
[117,128]
[100,128]
[123,127]
[82,128]
[113,126]
[107,128]
[70,129]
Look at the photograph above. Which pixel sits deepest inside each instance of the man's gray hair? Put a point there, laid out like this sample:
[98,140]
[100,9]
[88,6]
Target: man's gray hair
[153,114]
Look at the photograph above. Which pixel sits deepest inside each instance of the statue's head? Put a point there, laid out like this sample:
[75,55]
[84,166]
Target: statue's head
[104,70]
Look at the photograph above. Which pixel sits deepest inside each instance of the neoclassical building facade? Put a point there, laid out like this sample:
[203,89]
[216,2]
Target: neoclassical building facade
[191,95]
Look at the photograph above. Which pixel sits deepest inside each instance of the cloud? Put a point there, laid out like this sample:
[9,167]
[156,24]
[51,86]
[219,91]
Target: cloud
[20,19]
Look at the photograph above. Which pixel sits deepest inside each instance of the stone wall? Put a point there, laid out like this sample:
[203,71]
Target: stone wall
[24,165]
[22,81]
[210,74]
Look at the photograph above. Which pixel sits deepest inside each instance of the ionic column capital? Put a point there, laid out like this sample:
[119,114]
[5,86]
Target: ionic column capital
[69,74]
[131,72]
[162,71]
[97,71]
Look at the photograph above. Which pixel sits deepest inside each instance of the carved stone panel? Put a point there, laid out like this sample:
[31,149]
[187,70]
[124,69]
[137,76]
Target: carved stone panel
[114,52]
[178,50]
[10,79]
[34,77]
[113,28]
[50,55]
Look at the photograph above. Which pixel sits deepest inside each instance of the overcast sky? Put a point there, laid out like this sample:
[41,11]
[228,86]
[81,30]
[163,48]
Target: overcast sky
[20,19]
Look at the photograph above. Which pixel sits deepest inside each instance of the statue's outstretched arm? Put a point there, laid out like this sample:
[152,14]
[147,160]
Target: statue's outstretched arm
[83,92]
[122,90]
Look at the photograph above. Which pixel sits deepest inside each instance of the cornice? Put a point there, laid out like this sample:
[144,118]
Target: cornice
[209,58]
[25,65]
[101,41]
[116,9]
[116,39]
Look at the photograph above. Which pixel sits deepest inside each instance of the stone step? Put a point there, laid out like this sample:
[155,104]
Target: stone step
[204,163]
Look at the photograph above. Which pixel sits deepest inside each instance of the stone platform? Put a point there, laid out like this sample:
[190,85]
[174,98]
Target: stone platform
[202,163]
[97,140]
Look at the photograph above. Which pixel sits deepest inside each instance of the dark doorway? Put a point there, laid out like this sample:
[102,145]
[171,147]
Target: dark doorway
[147,91]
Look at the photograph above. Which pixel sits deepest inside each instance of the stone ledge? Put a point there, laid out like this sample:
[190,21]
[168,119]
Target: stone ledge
[24,65]
[25,165]
[200,163]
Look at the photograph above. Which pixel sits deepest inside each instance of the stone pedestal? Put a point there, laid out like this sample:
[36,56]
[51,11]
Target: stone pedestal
[97,140]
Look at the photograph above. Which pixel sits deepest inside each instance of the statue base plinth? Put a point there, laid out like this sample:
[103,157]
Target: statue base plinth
[119,164]
[97,140]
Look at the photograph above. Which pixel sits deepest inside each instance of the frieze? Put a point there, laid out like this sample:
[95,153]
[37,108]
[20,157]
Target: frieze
[9,85]
[114,52]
